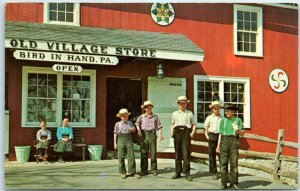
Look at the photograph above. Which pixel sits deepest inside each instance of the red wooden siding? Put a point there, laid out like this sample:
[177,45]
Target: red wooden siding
[28,12]
[210,26]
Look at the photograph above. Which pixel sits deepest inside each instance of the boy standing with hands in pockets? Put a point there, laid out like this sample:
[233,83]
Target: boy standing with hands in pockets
[211,127]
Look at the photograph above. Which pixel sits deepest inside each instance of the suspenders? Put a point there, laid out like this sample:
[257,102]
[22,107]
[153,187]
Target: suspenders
[144,119]
[120,127]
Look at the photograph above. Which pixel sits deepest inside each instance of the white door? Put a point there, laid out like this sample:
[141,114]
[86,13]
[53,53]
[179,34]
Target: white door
[163,93]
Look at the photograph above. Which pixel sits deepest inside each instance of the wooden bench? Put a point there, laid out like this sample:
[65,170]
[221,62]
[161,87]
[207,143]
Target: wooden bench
[78,141]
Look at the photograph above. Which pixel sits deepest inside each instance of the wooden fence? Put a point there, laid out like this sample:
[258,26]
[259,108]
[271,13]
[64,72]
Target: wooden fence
[277,157]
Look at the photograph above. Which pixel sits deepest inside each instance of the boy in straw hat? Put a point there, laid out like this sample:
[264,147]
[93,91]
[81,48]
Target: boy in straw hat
[211,128]
[123,143]
[147,124]
[230,129]
[182,130]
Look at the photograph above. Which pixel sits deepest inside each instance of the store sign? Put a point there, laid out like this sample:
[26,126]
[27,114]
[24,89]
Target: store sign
[278,80]
[80,48]
[66,68]
[95,49]
[65,57]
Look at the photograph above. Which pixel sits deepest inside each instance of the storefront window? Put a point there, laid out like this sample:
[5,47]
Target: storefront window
[76,98]
[248,30]
[42,97]
[61,13]
[53,96]
[225,90]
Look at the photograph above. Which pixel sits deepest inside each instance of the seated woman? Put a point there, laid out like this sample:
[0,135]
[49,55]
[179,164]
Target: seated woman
[43,137]
[64,135]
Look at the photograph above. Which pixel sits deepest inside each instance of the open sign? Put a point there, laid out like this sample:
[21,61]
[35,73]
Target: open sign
[66,68]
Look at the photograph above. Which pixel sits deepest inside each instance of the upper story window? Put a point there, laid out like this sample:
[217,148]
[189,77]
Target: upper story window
[248,32]
[62,13]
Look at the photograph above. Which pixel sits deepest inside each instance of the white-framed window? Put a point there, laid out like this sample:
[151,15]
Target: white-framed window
[233,90]
[62,13]
[52,96]
[248,31]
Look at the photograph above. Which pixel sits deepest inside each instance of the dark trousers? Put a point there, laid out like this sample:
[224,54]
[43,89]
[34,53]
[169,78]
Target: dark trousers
[212,145]
[148,143]
[229,153]
[125,146]
[182,142]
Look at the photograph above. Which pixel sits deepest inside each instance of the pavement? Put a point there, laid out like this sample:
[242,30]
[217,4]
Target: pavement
[104,174]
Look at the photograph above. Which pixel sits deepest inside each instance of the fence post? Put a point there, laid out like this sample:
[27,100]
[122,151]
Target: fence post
[277,161]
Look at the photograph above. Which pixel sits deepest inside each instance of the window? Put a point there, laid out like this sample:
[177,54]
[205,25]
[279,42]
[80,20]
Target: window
[52,96]
[248,33]
[225,90]
[62,13]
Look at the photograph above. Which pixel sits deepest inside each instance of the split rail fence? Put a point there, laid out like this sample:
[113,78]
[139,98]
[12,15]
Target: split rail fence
[277,156]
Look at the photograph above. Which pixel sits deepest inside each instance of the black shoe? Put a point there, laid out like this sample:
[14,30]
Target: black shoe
[188,178]
[175,176]
[144,173]
[235,186]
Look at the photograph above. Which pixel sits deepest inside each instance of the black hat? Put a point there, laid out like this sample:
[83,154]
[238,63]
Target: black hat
[230,107]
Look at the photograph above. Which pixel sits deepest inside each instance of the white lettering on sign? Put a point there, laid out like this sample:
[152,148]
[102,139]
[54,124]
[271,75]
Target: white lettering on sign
[96,49]
[65,57]
[80,48]
[66,68]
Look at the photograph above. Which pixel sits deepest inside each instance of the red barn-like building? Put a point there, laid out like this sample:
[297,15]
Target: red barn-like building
[86,61]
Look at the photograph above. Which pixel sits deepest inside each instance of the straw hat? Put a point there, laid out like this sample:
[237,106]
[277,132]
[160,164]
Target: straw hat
[214,103]
[230,107]
[123,112]
[146,103]
[182,99]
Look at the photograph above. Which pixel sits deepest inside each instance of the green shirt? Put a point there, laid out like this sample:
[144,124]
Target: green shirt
[226,127]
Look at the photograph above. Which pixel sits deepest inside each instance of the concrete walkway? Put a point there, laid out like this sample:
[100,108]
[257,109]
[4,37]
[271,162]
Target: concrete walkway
[104,175]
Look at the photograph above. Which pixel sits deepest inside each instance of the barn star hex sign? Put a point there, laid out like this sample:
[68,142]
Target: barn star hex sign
[278,80]
[162,13]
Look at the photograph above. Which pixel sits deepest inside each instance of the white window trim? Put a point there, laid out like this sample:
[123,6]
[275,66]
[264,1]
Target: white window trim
[76,21]
[259,45]
[28,69]
[222,79]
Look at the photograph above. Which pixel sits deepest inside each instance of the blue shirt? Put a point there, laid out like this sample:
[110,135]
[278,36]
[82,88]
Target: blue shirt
[123,127]
[149,123]
[64,130]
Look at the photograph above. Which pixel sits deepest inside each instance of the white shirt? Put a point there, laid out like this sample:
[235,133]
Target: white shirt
[183,118]
[212,123]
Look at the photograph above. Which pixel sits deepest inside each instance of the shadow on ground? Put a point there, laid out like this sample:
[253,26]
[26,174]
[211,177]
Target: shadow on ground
[253,183]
